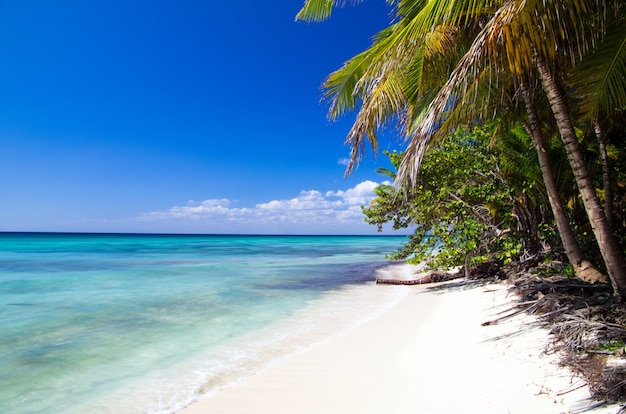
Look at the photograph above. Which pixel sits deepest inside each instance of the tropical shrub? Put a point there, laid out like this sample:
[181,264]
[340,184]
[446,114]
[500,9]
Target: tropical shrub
[461,207]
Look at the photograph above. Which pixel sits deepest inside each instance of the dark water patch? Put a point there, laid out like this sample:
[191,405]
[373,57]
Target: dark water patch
[324,277]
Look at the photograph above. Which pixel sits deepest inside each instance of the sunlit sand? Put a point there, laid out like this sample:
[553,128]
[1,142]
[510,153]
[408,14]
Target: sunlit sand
[428,354]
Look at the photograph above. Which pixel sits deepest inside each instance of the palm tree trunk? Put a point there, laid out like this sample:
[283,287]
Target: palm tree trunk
[606,175]
[609,248]
[583,269]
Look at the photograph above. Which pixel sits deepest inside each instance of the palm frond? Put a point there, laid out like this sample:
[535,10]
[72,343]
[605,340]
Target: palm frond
[383,99]
[426,15]
[319,10]
[390,85]
[600,79]
[376,79]
[518,160]
[386,172]
[339,87]
[413,87]
[454,92]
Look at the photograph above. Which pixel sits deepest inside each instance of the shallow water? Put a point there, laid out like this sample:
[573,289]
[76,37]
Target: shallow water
[147,323]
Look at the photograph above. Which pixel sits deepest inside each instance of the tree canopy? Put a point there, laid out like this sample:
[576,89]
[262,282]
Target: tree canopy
[553,68]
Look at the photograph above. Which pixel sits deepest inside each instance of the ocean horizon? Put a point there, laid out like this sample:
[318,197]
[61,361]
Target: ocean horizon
[128,323]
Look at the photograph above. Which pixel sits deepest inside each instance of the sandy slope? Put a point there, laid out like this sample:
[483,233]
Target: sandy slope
[428,354]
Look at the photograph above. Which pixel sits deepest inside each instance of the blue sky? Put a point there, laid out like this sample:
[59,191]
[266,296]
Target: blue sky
[186,117]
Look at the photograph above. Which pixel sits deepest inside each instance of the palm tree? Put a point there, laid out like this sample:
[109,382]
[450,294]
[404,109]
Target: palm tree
[600,84]
[509,42]
[609,247]
[582,267]
[366,124]
[390,80]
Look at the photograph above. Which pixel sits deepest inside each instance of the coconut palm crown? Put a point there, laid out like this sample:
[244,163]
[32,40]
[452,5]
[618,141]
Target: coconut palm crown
[518,41]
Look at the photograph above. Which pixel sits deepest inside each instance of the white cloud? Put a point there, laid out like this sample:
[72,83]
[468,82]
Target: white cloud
[343,161]
[311,211]
[306,200]
[360,194]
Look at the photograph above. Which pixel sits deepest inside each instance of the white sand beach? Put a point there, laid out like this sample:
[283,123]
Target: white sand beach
[427,354]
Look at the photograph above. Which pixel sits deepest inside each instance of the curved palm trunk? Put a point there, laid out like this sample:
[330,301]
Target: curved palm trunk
[609,248]
[582,268]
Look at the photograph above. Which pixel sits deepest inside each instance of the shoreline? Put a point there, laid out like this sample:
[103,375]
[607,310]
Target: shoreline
[427,353]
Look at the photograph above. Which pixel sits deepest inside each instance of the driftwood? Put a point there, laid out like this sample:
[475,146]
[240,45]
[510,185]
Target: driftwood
[431,277]
[399,282]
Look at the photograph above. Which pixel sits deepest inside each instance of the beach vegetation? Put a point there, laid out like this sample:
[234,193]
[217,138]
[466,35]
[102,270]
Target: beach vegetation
[546,83]
[611,346]
[442,65]
[461,209]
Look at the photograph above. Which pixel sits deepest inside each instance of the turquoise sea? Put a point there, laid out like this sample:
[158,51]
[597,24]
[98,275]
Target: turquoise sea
[112,323]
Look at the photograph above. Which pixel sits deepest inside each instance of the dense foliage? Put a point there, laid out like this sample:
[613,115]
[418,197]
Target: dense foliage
[551,76]
[556,70]
[462,207]
[476,202]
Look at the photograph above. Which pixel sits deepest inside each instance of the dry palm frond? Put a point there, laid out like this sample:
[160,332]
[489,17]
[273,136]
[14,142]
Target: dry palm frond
[454,93]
